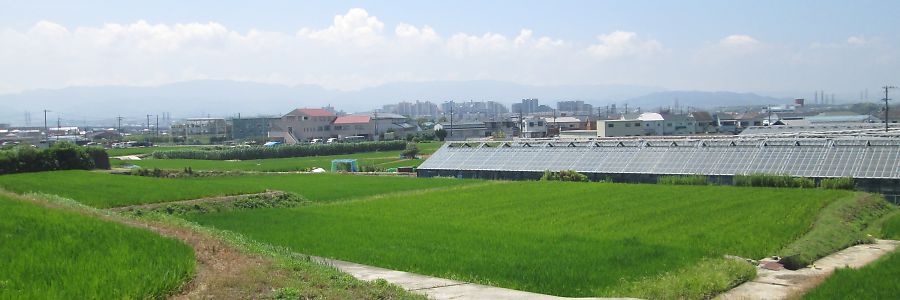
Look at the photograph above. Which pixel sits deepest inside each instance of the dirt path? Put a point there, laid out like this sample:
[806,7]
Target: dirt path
[786,284]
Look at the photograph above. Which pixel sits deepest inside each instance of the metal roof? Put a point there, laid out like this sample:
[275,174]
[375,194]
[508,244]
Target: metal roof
[809,157]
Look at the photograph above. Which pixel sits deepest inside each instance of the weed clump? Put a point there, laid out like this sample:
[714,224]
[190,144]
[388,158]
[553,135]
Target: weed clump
[684,180]
[778,181]
[565,175]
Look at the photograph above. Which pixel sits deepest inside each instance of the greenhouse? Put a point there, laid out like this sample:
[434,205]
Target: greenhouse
[631,160]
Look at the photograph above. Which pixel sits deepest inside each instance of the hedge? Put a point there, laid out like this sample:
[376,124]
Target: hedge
[281,151]
[62,156]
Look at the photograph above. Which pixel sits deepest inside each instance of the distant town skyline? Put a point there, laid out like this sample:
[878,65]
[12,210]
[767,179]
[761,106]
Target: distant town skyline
[744,46]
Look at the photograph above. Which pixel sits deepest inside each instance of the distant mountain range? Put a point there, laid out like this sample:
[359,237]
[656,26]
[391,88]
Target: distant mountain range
[228,98]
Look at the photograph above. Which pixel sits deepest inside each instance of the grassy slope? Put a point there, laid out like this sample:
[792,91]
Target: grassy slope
[55,254]
[875,281]
[107,190]
[569,239]
[387,159]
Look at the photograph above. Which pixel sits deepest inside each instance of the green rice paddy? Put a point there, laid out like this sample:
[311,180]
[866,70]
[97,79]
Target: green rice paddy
[107,190]
[567,239]
[54,254]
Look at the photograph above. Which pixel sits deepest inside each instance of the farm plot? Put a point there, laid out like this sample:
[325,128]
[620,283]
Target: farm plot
[106,190]
[54,254]
[265,165]
[384,159]
[567,239]
[875,281]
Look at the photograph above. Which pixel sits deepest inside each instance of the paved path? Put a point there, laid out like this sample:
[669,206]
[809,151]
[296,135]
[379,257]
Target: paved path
[785,283]
[433,287]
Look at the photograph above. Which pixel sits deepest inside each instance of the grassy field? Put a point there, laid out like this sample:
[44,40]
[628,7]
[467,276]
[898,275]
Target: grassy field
[55,254]
[568,239]
[875,281]
[106,190]
[387,159]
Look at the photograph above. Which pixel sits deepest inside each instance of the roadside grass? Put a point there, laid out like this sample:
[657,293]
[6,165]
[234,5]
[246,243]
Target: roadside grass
[890,229]
[567,239]
[841,224]
[51,253]
[104,190]
[877,280]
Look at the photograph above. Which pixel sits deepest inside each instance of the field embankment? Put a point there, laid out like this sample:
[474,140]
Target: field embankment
[875,281]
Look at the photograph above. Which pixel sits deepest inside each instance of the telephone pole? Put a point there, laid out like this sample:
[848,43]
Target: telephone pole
[886,99]
[119,123]
[148,128]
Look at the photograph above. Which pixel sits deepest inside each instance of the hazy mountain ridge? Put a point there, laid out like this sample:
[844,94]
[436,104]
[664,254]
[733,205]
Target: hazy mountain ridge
[228,98]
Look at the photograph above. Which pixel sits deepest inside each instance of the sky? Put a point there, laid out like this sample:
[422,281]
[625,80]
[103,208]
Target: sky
[744,46]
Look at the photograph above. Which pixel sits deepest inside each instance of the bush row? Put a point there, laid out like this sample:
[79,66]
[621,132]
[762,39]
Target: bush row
[62,156]
[281,151]
[764,180]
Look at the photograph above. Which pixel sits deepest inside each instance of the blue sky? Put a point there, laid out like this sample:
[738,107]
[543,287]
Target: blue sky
[839,44]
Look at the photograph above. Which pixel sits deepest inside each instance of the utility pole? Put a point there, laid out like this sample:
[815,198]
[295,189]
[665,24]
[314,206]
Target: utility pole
[58,127]
[452,104]
[119,123]
[147,135]
[46,129]
[157,127]
[886,99]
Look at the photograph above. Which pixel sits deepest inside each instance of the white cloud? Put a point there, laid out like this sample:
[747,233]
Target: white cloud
[738,40]
[623,44]
[355,50]
[355,26]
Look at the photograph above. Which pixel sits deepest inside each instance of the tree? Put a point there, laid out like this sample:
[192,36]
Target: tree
[411,151]
[441,134]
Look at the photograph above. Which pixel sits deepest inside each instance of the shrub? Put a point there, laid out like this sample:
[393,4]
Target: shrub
[684,180]
[62,156]
[565,175]
[842,183]
[411,151]
[441,134]
[768,180]
[280,151]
